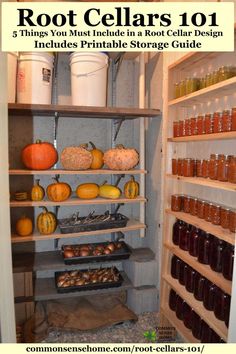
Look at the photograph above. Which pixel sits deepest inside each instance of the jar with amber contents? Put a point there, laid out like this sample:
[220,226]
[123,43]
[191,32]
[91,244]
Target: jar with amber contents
[175,129]
[233,113]
[199,168]
[226,121]
[193,126]
[215,77]
[200,125]
[232,220]
[224,217]
[200,208]
[182,88]
[187,127]
[188,169]
[232,170]
[205,168]
[180,167]
[186,206]
[176,202]
[193,206]
[181,128]
[213,166]
[208,80]
[207,211]
[223,168]
[215,214]
[177,90]
[217,122]
[174,167]
[209,123]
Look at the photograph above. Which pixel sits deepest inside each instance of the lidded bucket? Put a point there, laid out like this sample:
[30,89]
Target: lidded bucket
[11,76]
[89,78]
[34,77]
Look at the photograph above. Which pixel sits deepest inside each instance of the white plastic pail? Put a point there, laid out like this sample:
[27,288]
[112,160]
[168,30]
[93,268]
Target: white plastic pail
[89,79]
[34,78]
[11,76]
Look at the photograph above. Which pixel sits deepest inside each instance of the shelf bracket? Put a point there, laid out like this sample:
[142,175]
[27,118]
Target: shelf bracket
[120,236]
[118,123]
[55,132]
[119,179]
[56,243]
[118,61]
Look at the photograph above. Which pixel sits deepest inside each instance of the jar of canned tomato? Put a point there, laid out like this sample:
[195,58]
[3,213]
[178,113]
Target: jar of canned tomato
[226,121]
[201,125]
[180,167]
[233,113]
[217,122]
[175,129]
[188,168]
[205,168]
[176,202]
[199,168]
[232,170]
[193,206]
[209,123]
[181,128]
[174,167]
[200,208]
[193,126]
[215,214]
[213,166]
[223,167]
[207,211]
[232,220]
[187,127]
[186,203]
[224,217]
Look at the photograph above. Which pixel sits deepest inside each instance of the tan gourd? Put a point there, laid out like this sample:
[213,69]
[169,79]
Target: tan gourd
[121,158]
[76,158]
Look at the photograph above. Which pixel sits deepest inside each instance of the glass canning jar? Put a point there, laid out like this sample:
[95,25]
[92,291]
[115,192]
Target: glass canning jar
[232,220]
[182,271]
[216,254]
[175,129]
[208,295]
[202,83]
[224,217]
[177,227]
[204,244]
[199,282]
[186,207]
[217,122]
[215,214]
[187,316]
[196,325]
[228,261]
[172,300]
[213,166]
[177,90]
[193,241]
[174,166]
[193,126]
[184,237]
[179,308]
[182,88]
[181,128]
[193,206]
[208,80]
[175,267]
[223,168]
[199,168]
[209,123]
[226,121]
[200,208]
[188,168]
[205,168]
[177,202]
[205,333]
[233,113]
[207,211]
[180,167]
[189,279]
[232,170]
[187,127]
[215,77]
[201,125]
[220,303]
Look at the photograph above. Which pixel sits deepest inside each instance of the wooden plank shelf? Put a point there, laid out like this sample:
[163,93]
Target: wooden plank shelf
[226,87]
[44,110]
[53,260]
[45,289]
[205,182]
[185,333]
[76,201]
[23,172]
[205,270]
[208,316]
[215,230]
[203,137]
[132,225]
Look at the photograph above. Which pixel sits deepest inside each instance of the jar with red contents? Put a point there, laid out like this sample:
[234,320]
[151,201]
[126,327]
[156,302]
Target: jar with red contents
[226,121]
[199,283]
[184,237]
[180,167]
[216,254]
[193,126]
[193,241]
[232,220]
[193,206]
[175,129]
[223,168]
[186,206]
[200,208]
[177,202]
[204,244]
[174,165]
[217,122]
[182,272]
[179,308]
[196,325]
[233,113]
[187,316]
[213,166]
[209,123]
[205,168]
[207,211]
[172,300]
[189,279]
[188,167]
[187,127]
[224,217]
[209,295]
[177,227]
[181,128]
[175,267]
[199,168]
[232,170]
[205,333]
[201,129]
[228,262]
[222,300]
[227,311]
[215,214]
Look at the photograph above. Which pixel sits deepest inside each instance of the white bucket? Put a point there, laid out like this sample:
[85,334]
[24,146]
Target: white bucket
[34,78]
[89,79]
[11,76]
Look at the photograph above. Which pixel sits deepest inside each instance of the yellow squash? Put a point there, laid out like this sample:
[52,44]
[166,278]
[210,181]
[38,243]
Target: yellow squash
[109,191]
[87,190]
[131,189]
[37,192]
[46,222]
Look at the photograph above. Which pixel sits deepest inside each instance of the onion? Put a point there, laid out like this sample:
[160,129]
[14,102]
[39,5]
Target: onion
[84,253]
[111,247]
[107,251]
[68,253]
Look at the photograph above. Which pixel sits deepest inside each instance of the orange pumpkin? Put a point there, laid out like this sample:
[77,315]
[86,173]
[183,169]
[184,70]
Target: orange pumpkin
[58,191]
[97,155]
[24,226]
[39,155]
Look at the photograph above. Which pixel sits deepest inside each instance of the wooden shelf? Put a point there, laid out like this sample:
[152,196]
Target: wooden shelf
[226,87]
[18,109]
[215,230]
[53,260]
[205,182]
[45,289]
[208,316]
[132,225]
[205,270]
[76,201]
[185,333]
[203,137]
[22,172]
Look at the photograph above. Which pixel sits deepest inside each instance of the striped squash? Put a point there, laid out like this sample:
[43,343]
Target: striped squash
[131,189]
[46,222]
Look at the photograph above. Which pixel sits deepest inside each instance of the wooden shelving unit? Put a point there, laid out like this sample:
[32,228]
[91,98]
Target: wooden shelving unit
[202,101]
[22,172]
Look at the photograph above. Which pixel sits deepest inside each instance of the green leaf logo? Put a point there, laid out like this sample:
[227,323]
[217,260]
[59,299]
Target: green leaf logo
[150,335]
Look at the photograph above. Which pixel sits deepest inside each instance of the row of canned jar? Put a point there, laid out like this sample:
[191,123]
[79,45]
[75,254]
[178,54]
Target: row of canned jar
[214,213]
[212,297]
[192,320]
[207,248]
[192,84]
[217,122]
[219,167]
